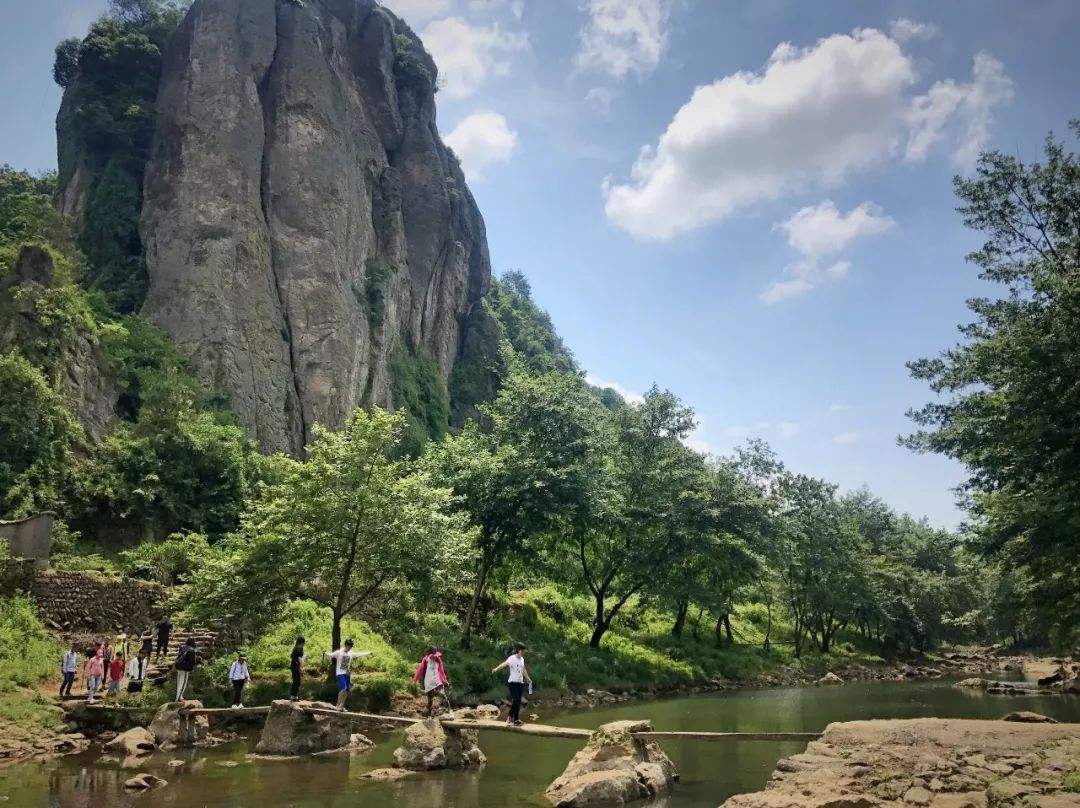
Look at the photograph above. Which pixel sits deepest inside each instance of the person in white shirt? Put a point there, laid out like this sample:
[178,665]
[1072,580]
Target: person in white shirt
[516,680]
[343,658]
[239,675]
[136,672]
[69,666]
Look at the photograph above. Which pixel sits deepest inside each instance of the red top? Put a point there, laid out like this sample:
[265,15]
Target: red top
[431,659]
[116,669]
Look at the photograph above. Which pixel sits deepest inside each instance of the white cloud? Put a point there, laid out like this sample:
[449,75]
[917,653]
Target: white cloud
[822,229]
[468,55]
[781,429]
[417,10]
[817,231]
[903,29]
[481,140]
[600,99]
[846,438]
[515,7]
[623,36]
[696,439]
[631,396]
[965,110]
[810,118]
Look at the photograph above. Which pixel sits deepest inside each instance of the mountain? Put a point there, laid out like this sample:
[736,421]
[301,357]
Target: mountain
[283,208]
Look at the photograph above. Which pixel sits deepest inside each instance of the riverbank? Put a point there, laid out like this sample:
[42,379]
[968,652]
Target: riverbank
[940,763]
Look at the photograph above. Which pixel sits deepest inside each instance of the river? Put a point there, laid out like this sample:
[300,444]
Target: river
[519,768]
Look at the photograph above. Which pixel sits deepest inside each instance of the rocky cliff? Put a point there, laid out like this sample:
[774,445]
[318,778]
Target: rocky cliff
[306,233]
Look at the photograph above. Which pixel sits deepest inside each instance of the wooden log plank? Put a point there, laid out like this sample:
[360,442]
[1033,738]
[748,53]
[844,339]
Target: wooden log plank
[392,719]
[537,730]
[731,736]
[223,711]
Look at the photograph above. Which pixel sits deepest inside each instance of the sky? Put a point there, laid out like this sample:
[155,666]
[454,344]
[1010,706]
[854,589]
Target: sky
[747,203]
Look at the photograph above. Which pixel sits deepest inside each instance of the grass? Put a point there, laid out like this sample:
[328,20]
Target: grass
[638,653]
[1072,782]
[29,656]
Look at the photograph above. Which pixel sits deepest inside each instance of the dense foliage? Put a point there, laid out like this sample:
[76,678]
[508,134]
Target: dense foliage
[1010,392]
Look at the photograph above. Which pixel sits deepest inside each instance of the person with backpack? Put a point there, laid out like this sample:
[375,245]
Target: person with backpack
[95,672]
[516,680]
[186,660]
[239,675]
[432,675]
[343,658]
[69,666]
[296,660]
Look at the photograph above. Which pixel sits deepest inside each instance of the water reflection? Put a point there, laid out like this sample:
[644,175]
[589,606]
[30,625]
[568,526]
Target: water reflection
[519,768]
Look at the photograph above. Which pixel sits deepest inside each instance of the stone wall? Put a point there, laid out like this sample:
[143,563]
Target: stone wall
[81,602]
[30,538]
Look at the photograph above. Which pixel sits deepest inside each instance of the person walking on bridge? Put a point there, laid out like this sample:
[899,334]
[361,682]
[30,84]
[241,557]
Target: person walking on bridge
[69,666]
[516,680]
[431,673]
[343,658]
[239,675]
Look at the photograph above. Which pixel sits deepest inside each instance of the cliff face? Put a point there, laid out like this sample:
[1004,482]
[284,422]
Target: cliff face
[301,219]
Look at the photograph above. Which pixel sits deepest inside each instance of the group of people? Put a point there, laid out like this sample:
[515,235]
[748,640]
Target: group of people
[106,667]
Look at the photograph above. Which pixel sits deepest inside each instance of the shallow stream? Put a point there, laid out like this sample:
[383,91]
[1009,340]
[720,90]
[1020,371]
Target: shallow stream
[519,768]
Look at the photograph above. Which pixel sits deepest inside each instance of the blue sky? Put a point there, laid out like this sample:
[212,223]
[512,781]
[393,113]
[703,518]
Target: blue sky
[749,203]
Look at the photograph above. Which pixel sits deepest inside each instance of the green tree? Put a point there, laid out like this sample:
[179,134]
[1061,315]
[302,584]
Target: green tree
[1009,406]
[349,526]
[521,473]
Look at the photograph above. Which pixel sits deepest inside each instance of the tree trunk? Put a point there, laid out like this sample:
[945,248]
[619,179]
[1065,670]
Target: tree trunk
[680,618]
[478,592]
[600,624]
[335,641]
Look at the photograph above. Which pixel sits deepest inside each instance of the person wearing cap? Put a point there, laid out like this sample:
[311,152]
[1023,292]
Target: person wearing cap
[239,675]
[296,661]
[516,680]
[343,658]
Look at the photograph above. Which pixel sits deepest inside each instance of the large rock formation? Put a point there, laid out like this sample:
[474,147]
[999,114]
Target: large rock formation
[429,745]
[291,730]
[302,220]
[614,768]
[173,727]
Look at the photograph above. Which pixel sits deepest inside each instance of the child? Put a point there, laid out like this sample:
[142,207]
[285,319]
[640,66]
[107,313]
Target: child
[432,674]
[116,673]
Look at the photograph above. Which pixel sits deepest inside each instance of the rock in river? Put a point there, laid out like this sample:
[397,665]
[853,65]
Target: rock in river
[614,768]
[430,745]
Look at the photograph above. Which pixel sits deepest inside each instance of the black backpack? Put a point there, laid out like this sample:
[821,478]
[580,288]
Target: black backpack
[185,661]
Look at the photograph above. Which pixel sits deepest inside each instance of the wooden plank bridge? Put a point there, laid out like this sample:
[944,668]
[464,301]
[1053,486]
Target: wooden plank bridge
[533,730]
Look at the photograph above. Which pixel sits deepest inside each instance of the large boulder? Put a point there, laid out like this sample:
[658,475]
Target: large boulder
[291,730]
[173,727]
[614,768]
[429,745]
[135,742]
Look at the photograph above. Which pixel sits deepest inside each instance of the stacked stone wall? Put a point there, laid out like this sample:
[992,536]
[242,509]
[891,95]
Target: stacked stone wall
[82,602]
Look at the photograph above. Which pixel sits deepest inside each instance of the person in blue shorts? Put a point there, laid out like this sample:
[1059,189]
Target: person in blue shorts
[343,658]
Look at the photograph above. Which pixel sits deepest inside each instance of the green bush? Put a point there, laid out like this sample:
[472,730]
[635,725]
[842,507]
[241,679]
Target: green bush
[419,388]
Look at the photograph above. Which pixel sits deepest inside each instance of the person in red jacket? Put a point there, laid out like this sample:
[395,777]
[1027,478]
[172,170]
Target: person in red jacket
[116,673]
[432,675]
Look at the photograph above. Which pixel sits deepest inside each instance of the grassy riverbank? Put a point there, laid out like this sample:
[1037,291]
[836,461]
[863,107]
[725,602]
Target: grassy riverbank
[29,656]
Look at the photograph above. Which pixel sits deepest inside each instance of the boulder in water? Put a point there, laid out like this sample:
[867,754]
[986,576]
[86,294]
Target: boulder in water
[975,683]
[136,741]
[291,730]
[614,767]
[172,727]
[429,745]
[830,678]
[143,781]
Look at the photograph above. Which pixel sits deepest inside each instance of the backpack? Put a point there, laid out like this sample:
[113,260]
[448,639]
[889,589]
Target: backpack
[185,661]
